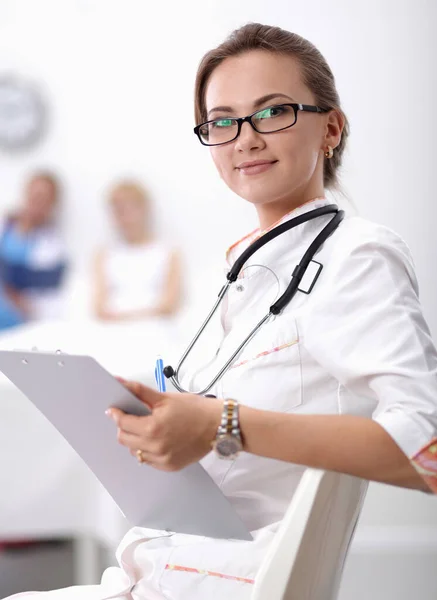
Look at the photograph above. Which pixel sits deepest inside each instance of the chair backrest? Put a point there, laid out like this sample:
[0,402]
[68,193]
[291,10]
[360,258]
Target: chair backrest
[306,558]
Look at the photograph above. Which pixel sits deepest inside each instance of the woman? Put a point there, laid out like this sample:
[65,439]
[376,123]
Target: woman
[310,380]
[138,277]
[32,255]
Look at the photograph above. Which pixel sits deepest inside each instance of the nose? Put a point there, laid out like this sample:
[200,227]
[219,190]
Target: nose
[249,139]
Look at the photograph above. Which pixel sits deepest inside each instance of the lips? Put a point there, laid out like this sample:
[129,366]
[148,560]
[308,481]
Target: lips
[254,163]
[254,167]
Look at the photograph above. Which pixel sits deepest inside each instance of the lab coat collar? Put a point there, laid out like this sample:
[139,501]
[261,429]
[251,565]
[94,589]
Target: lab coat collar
[293,236]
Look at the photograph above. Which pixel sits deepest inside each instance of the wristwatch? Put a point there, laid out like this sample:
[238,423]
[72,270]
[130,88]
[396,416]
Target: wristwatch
[228,442]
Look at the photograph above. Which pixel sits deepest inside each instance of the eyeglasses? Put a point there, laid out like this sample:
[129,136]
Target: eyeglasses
[267,120]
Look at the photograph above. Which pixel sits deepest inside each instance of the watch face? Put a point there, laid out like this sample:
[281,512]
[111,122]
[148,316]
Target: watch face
[22,113]
[228,447]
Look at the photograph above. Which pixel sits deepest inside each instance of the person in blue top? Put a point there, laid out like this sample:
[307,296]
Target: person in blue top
[32,256]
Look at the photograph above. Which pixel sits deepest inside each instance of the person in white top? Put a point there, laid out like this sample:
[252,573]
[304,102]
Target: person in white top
[138,277]
[344,378]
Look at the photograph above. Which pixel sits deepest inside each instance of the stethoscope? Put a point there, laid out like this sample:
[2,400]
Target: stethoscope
[279,305]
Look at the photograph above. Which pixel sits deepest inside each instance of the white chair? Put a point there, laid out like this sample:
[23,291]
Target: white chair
[306,558]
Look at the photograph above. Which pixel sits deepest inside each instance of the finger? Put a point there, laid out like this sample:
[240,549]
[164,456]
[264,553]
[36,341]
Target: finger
[147,395]
[144,458]
[153,460]
[132,386]
[147,457]
[130,440]
[131,423]
[114,413]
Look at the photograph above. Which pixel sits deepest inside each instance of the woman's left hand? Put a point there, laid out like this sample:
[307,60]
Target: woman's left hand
[178,432]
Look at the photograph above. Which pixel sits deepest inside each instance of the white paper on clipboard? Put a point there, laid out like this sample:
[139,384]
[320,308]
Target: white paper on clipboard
[73,392]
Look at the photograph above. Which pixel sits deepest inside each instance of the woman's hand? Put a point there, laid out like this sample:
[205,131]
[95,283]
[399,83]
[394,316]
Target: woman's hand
[123,316]
[105,314]
[177,433]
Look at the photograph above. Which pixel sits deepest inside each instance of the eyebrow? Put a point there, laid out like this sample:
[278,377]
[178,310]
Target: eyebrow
[256,104]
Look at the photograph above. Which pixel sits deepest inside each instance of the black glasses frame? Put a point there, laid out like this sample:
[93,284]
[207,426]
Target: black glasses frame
[241,120]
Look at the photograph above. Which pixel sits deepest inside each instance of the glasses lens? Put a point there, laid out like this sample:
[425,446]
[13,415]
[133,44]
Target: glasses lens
[219,131]
[274,118]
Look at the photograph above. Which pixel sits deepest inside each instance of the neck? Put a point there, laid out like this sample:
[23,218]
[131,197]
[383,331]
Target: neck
[137,239]
[25,225]
[271,213]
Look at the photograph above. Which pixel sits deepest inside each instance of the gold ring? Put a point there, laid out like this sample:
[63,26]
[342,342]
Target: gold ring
[140,456]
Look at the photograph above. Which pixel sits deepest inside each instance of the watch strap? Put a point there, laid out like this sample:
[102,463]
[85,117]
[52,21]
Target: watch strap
[230,423]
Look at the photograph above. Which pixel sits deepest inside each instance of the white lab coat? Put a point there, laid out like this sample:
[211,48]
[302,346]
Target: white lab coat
[357,344]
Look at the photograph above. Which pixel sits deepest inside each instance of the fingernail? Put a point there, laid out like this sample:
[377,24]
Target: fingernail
[108,412]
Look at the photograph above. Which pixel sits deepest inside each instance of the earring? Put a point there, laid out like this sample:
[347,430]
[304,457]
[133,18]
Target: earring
[329,153]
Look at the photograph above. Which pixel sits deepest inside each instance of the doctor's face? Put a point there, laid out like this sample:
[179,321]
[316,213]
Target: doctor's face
[283,168]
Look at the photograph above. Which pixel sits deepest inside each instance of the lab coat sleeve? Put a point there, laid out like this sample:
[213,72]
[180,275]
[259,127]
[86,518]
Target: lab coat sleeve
[367,329]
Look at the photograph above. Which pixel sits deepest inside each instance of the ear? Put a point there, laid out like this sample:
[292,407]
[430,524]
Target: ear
[334,127]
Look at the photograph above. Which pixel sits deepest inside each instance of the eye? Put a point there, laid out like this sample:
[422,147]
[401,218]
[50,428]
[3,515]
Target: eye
[219,123]
[271,112]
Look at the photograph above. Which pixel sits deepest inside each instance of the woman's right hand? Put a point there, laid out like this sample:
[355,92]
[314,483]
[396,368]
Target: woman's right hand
[104,314]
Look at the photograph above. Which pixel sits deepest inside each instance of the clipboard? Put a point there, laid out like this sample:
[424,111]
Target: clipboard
[73,392]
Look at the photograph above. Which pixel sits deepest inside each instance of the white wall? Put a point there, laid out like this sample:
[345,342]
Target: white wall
[116,72]
[106,65]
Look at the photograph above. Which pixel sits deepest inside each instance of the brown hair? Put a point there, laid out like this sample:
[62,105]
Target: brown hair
[316,75]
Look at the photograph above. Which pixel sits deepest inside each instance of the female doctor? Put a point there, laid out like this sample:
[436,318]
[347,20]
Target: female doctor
[342,378]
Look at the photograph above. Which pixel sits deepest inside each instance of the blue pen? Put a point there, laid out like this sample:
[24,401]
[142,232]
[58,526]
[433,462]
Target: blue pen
[159,374]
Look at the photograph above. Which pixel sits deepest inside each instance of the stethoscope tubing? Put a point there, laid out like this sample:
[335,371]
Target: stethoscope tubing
[279,305]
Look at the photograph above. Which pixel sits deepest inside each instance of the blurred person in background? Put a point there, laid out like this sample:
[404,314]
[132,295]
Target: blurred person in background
[32,255]
[139,276]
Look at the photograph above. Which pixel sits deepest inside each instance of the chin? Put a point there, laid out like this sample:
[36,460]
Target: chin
[261,194]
